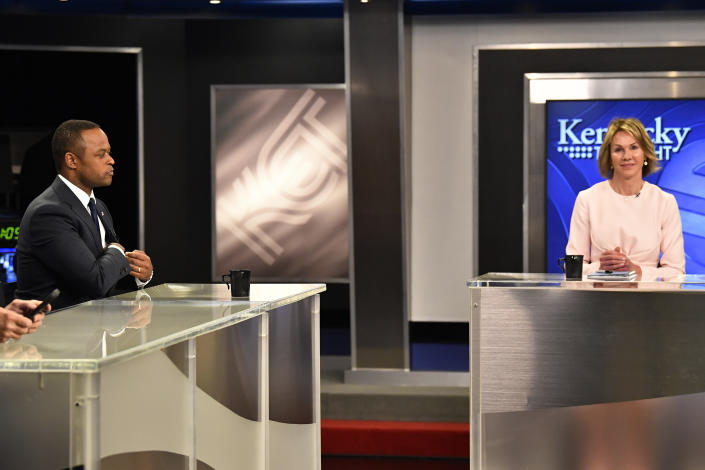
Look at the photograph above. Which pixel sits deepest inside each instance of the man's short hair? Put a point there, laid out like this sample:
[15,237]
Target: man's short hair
[67,138]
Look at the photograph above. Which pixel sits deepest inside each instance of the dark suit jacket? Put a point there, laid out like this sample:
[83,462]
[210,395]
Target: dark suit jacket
[60,246]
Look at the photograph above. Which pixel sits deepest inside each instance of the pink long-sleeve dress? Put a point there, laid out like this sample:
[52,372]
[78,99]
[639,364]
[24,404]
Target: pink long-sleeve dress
[647,229]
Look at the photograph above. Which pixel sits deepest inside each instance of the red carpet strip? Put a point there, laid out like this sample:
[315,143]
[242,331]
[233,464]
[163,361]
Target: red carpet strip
[395,438]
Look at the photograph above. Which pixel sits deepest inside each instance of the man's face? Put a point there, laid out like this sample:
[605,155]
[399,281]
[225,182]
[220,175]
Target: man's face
[95,167]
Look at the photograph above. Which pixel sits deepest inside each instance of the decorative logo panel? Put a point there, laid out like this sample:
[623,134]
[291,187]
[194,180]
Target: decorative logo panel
[281,203]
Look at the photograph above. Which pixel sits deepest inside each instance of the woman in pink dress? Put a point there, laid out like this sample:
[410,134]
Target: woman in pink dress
[625,223]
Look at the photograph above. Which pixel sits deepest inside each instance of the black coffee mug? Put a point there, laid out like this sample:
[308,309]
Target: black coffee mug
[238,282]
[573,268]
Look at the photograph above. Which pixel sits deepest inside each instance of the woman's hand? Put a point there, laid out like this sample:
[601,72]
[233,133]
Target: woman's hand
[615,260]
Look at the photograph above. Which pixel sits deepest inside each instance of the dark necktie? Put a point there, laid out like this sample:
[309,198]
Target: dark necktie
[94,214]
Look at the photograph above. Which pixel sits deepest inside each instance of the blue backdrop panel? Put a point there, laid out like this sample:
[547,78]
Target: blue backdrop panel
[574,134]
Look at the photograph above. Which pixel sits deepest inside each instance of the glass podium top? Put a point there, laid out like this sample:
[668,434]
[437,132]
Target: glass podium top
[87,336]
[682,282]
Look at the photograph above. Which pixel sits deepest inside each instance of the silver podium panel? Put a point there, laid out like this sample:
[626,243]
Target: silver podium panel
[177,376]
[584,375]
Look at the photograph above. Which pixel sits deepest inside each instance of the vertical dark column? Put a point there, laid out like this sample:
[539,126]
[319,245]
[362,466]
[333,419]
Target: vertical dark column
[373,57]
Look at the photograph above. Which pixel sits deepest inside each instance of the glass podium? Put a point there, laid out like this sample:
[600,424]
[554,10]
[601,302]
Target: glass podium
[176,376]
[586,375]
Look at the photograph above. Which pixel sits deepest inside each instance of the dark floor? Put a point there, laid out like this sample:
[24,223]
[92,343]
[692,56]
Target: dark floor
[341,400]
[391,463]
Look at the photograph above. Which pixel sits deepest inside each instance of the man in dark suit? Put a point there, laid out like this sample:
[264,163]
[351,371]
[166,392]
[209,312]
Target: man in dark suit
[67,240]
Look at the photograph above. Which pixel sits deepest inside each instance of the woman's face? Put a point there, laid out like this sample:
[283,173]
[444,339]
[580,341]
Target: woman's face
[626,155]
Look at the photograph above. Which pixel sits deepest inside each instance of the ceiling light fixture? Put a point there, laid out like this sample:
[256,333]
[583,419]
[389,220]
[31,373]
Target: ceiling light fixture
[214,2]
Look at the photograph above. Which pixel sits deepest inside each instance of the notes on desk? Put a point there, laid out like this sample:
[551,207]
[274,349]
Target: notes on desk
[612,276]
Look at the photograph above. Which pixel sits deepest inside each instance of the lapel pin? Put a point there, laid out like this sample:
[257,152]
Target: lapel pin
[102,214]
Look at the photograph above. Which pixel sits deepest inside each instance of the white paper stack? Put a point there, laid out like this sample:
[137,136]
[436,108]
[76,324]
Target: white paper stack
[612,276]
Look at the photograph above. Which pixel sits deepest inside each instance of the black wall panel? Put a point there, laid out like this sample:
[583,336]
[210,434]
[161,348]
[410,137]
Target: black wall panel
[380,322]
[40,89]
[501,101]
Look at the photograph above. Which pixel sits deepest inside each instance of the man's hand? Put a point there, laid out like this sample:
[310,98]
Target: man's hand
[26,306]
[13,323]
[141,265]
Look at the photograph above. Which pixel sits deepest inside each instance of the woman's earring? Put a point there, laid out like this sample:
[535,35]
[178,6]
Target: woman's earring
[646,162]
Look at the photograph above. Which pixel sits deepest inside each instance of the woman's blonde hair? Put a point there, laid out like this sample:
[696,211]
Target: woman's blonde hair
[634,128]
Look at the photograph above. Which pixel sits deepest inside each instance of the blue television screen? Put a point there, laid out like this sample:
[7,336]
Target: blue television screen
[9,232]
[574,131]
[7,271]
